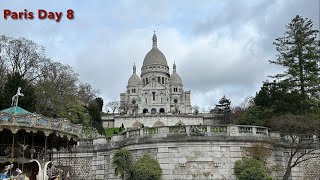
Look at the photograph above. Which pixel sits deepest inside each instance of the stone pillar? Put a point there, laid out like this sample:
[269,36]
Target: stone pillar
[208,130]
[254,130]
[188,130]
[234,130]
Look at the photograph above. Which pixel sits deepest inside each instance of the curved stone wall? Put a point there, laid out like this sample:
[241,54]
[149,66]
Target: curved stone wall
[187,152]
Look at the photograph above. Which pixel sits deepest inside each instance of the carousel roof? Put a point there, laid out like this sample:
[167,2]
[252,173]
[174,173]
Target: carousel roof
[16,118]
[15,110]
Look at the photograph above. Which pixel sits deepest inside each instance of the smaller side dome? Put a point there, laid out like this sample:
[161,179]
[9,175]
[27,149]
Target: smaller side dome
[134,79]
[175,79]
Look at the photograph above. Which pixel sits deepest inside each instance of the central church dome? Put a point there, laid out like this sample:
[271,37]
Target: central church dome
[155,56]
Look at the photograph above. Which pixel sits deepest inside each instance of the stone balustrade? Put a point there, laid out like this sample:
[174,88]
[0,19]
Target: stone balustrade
[199,130]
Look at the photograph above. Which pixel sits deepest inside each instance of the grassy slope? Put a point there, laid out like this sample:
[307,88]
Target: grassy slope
[109,131]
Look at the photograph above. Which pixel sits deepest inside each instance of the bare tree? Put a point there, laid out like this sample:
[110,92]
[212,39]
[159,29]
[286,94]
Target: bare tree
[196,109]
[300,134]
[23,56]
[113,105]
[2,72]
[56,91]
[86,93]
[258,151]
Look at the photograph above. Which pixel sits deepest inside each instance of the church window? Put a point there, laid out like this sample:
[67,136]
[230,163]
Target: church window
[154,96]
[146,80]
[175,100]
[162,80]
[145,110]
[133,101]
[146,100]
[161,99]
[159,79]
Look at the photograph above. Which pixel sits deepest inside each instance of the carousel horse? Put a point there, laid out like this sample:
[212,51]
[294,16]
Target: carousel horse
[15,98]
[20,176]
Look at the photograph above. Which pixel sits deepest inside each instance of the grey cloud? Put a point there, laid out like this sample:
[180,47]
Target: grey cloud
[226,53]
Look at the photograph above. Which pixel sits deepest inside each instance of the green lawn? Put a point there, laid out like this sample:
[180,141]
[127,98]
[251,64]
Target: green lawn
[109,131]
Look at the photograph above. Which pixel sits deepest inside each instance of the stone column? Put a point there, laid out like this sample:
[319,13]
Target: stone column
[208,131]
[188,130]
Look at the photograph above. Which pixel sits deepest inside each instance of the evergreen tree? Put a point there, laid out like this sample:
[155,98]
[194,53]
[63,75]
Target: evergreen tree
[299,54]
[15,80]
[95,115]
[99,101]
[223,109]
[279,99]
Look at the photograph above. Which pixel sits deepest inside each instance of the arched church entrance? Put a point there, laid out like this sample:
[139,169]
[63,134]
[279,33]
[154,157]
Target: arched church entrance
[161,110]
[153,110]
[145,110]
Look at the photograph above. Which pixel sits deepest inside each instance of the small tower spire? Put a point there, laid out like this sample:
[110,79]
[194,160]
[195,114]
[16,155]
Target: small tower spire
[174,67]
[134,68]
[154,40]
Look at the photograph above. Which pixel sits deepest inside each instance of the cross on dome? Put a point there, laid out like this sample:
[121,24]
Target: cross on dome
[134,68]
[154,40]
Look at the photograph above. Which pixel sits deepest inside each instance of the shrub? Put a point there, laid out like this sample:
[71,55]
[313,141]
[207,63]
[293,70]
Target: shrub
[250,169]
[147,168]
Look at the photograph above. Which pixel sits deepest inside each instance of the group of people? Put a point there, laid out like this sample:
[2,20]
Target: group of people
[18,176]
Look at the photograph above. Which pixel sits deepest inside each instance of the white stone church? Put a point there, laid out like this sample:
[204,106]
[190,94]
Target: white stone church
[155,91]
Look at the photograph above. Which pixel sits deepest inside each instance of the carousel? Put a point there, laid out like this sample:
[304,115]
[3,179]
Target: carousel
[29,140]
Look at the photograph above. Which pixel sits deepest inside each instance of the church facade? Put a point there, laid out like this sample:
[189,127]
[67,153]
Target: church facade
[156,91]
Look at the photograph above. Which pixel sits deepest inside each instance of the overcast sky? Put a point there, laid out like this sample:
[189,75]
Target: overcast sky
[220,47]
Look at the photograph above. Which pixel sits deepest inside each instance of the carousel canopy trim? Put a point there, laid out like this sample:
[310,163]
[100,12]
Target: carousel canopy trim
[15,110]
[16,118]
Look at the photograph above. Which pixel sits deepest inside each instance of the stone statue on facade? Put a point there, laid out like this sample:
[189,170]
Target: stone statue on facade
[15,98]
